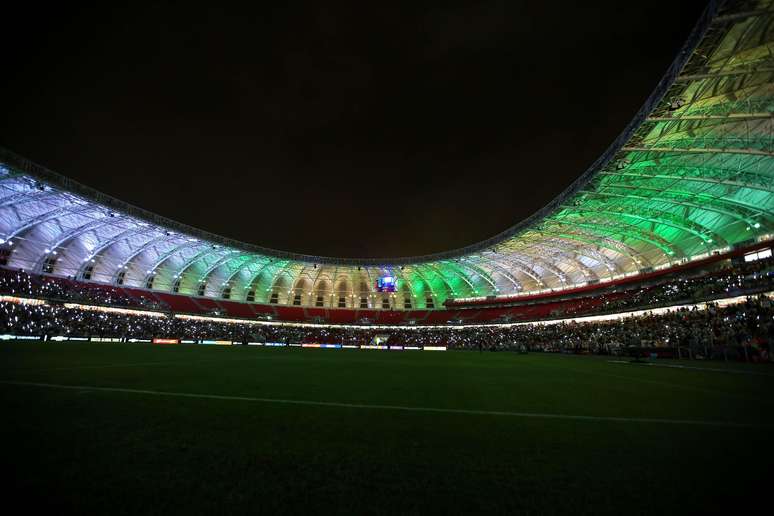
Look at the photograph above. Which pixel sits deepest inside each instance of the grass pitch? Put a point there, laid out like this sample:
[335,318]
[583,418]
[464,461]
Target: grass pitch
[134,428]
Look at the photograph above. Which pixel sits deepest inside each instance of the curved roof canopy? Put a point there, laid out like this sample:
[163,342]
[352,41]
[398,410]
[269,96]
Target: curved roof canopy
[693,173]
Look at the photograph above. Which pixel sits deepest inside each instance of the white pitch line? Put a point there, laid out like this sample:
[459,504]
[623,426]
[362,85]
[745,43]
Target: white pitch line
[288,358]
[694,368]
[536,415]
[138,364]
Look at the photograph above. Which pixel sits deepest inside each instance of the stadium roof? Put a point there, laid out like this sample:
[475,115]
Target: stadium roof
[690,175]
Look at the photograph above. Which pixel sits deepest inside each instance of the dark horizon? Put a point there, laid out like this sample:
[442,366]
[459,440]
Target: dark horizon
[355,134]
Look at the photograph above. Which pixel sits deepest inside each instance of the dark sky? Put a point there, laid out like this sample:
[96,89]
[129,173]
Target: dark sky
[355,131]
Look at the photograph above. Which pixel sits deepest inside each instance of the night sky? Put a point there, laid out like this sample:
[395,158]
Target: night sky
[376,131]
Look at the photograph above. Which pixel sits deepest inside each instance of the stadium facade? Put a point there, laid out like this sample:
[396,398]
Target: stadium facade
[690,177]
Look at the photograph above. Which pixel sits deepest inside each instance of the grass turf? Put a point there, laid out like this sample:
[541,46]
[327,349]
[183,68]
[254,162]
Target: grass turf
[98,451]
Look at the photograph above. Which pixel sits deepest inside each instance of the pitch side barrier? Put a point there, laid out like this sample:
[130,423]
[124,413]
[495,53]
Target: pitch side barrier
[218,342]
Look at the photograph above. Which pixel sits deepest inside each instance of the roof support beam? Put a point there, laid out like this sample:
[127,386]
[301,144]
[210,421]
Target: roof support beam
[701,150]
[762,183]
[595,239]
[256,275]
[499,269]
[664,246]
[478,271]
[728,117]
[705,202]
[47,217]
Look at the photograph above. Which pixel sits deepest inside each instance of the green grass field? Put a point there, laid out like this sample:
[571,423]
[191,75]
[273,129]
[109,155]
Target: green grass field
[208,429]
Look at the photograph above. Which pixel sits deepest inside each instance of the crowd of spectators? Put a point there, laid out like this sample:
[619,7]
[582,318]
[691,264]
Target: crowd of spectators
[23,284]
[737,280]
[741,331]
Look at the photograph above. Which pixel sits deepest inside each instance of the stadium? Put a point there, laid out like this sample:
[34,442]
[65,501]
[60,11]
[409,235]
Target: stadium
[612,352]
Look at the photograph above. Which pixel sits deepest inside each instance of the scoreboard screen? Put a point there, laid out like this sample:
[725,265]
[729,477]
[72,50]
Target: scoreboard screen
[385,284]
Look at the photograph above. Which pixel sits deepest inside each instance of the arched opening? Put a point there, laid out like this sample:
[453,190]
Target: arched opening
[343,295]
[297,293]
